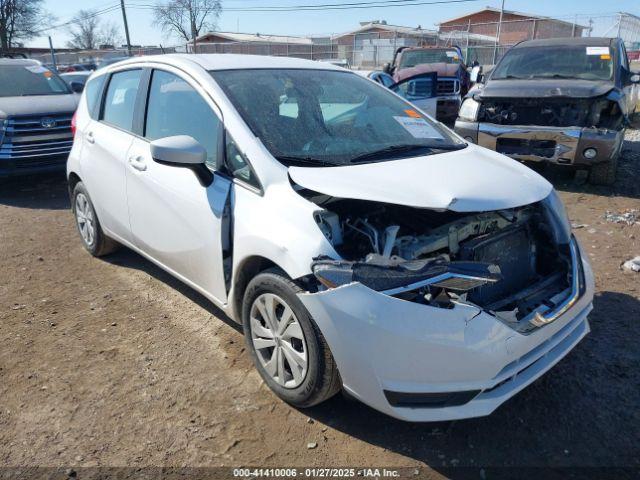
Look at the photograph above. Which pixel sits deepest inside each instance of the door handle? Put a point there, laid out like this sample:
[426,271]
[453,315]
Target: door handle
[90,138]
[138,163]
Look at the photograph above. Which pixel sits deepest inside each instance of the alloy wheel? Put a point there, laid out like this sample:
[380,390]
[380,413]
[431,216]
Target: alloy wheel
[278,340]
[85,219]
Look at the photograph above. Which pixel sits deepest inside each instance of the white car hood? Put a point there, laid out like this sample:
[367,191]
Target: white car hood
[473,179]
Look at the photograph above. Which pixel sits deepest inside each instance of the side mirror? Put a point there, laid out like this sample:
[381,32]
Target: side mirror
[77,87]
[387,68]
[182,151]
[634,77]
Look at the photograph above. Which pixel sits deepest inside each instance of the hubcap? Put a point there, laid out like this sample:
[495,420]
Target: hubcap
[84,219]
[278,340]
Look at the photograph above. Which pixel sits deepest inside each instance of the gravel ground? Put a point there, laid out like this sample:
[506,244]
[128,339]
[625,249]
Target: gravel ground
[114,363]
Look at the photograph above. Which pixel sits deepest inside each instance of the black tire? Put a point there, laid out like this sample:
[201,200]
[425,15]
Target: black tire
[604,173]
[100,244]
[322,379]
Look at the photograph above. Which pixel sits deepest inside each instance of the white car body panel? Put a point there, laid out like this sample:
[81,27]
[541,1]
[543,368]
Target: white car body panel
[469,180]
[379,342]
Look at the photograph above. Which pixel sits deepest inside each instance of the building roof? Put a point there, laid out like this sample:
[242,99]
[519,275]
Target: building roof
[257,38]
[508,12]
[229,61]
[551,42]
[418,31]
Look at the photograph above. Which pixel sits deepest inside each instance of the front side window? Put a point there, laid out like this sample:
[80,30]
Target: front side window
[120,100]
[26,80]
[325,117]
[567,61]
[176,108]
[412,58]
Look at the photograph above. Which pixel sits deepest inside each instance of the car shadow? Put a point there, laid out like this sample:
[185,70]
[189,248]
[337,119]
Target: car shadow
[41,192]
[127,258]
[583,412]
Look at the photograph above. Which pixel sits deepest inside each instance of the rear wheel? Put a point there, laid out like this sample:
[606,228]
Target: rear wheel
[93,238]
[285,344]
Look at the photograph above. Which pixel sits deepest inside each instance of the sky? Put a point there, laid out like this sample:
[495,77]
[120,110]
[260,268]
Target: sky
[322,22]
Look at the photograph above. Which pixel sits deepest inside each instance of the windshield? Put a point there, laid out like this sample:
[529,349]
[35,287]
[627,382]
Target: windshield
[23,80]
[323,117]
[576,61]
[411,58]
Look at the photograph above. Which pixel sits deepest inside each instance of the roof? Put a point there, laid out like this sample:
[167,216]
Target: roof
[389,28]
[257,38]
[229,61]
[508,12]
[18,61]
[552,42]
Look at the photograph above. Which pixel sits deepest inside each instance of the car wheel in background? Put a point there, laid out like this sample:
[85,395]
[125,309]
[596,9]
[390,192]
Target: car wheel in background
[93,238]
[285,344]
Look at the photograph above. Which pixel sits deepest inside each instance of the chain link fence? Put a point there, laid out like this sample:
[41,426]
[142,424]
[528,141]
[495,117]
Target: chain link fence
[484,42]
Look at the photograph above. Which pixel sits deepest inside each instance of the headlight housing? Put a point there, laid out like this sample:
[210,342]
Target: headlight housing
[469,110]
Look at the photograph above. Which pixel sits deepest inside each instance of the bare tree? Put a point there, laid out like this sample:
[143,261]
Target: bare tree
[187,18]
[88,33]
[19,20]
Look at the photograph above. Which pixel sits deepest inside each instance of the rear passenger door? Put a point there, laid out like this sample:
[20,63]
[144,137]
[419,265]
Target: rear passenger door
[106,143]
[175,220]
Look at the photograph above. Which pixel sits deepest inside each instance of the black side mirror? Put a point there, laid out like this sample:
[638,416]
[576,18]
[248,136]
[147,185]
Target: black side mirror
[387,68]
[77,87]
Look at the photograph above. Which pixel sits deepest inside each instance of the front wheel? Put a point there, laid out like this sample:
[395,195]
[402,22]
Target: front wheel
[285,344]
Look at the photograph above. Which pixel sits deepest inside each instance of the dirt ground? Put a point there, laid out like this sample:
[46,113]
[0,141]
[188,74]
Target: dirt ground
[112,362]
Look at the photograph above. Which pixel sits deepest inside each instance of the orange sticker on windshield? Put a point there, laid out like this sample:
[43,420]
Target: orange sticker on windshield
[48,74]
[605,57]
[413,113]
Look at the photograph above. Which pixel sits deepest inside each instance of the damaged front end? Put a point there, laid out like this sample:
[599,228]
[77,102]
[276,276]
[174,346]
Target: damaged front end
[557,129]
[520,264]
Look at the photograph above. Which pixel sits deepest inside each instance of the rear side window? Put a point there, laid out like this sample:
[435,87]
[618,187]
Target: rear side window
[176,108]
[93,90]
[120,101]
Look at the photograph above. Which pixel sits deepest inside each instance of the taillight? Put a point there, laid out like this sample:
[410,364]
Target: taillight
[73,124]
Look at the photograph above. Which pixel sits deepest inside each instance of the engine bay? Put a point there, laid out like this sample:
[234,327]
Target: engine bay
[598,113]
[505,262]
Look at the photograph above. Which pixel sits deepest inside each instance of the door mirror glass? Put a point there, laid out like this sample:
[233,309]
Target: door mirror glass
[179,150]
[76,87]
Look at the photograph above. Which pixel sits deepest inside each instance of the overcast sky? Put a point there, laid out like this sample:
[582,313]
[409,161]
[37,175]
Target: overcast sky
[325,22]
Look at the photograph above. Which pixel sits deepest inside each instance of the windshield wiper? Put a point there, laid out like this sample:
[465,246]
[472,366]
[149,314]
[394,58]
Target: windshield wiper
[555,75]
[384,153]
[305,161]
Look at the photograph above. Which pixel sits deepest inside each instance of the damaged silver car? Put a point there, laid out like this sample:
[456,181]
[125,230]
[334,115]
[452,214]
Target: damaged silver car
[362,245]
[566,101]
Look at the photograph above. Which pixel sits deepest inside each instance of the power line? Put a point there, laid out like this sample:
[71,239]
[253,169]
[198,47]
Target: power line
[321,7]
[74,21]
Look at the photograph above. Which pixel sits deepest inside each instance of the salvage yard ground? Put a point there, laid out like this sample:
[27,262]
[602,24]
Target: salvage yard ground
[112,362]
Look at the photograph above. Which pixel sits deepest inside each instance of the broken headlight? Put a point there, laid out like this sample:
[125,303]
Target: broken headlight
[458,277]
[469,110]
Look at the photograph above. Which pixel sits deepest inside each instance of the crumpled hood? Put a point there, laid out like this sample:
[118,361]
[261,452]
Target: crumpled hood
[441,68]
[38,104]
[470,180]
[545,88]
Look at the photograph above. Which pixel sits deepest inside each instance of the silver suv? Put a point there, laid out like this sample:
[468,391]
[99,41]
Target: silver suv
[36,110]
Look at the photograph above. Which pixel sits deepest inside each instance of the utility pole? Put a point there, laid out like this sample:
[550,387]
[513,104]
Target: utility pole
[126,26]
[495,47]
[53,55]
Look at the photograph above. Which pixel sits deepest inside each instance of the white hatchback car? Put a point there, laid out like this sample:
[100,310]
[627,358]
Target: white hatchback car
[361,245]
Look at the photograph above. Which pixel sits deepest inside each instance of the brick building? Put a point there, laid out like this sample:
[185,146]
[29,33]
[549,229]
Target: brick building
[515,27]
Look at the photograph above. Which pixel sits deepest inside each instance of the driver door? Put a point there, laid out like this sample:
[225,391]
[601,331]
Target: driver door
[175,220]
